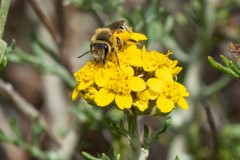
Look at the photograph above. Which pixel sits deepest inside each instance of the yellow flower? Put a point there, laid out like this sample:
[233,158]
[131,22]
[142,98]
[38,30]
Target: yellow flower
[169,92]
[117,84]
[131,56]
[141,79]
[152,61]
[90,93]
[84,78]
[142,101]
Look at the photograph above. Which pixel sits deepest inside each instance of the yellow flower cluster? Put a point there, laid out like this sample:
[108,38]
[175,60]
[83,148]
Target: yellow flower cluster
[144,80]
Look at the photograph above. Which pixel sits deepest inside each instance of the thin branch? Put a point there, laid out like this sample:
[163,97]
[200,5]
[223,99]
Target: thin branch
[60,17]
[51,53]
[56,32]
[46,21]
[216,86]
[61,26]
[212,127]
[69,144]
[27,109]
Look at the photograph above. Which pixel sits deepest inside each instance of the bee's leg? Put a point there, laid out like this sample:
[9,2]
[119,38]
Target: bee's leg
[103,59]
[96,60]
[120,43]
[103,62]
[116,54]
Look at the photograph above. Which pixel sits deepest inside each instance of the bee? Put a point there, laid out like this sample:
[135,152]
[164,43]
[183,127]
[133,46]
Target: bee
[103,43]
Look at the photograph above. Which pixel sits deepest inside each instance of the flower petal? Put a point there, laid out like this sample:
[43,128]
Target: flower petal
[176,70]
[127,70]
[164,104]
[138,36]
[155,84]
[104,97]
[101,77]
[144,50]
[141,106]
[84,84]
[123,101]
[75,93]
[164,74]
[183,103]
[182,90]
[137,84]
[90,93]
[134,56]
[152,95]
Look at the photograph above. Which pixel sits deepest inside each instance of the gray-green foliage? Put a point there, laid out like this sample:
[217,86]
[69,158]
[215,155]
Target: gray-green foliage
[229,142]
[232,68]
[4,50]
[3,53]
[34,149]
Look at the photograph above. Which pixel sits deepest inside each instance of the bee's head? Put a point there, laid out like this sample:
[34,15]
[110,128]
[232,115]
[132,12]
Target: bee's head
[100,47]
[99,50]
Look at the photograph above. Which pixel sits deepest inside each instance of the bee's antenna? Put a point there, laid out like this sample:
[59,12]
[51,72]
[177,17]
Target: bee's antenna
[84,54]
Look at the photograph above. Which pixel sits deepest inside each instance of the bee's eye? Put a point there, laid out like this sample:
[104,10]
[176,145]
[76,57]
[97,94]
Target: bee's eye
[106,48]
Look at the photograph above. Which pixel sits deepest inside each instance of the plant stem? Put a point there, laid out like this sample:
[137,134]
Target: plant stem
[27,109]
[3,15]
[134,137]
[212,125]
[46,21]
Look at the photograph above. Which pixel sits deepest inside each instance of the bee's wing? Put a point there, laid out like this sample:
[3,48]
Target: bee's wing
[116,25]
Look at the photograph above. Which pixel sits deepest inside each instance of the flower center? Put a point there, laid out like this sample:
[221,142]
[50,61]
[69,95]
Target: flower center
[119,84]
[86,73]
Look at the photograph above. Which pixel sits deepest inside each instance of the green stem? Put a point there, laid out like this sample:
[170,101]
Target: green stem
[3,15]
[134,137]
[216,86]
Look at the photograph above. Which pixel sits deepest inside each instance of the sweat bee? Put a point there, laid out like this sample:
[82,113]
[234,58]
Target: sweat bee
[103,42]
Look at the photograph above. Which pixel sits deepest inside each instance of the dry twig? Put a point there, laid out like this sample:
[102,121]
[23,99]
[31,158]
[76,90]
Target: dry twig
[27,109]
[46,21]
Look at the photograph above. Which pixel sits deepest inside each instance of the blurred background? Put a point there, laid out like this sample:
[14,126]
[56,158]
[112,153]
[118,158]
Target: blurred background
[50,35]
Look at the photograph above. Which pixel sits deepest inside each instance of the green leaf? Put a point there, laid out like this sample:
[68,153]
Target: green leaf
[120,130]
[105,157]
[121,124]
[168,25]
[118,157]
[154,137]
[230,69]
[225,60]
[3,137]
[36,131]
[235,69]
[3,12]
[224,69]
[215,64]
[15,130]
[89,156]
[4,51]
[111,155]
[3,63]
[3,58]
[177,158]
